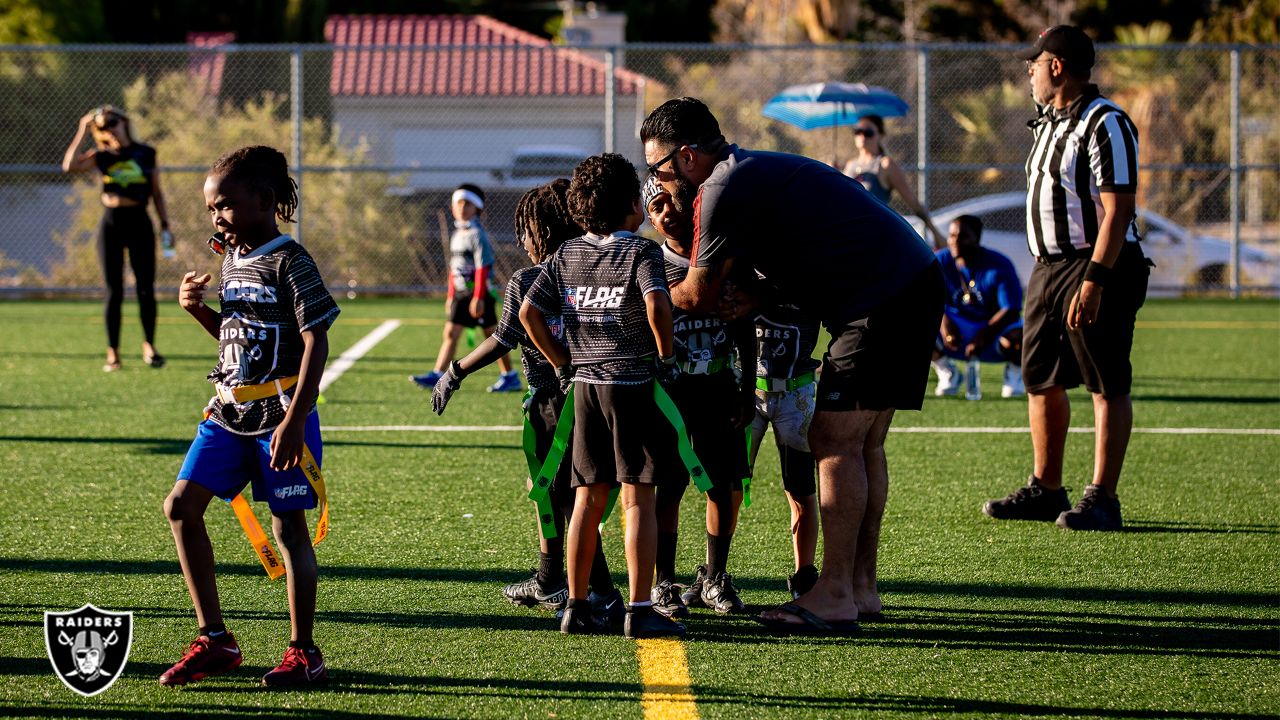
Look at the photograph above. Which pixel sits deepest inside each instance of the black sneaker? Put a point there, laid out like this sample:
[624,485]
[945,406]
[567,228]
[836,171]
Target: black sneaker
[579,621]
[645,622]
[666,600]
[1094,511]
[1032,502]
[607,608]
[802,581]
[719,594]
[692,595]
[531,592]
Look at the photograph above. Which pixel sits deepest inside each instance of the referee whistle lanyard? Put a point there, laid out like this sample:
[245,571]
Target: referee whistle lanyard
[540,493]
[258,537]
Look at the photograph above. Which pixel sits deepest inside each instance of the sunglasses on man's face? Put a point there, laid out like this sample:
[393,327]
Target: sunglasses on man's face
[653,169]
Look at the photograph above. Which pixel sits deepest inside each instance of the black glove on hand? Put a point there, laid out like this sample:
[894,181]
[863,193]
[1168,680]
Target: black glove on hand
[668,370]
[564,374]
[445,387]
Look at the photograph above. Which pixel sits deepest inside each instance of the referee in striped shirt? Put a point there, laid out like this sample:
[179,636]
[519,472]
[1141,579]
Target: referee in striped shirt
[1089,280]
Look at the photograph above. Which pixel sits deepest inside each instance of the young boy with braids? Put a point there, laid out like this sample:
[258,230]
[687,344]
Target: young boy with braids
[261,424]
[542,224]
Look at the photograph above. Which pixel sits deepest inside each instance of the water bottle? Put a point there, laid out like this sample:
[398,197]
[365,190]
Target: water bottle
[973,380]
[166,244]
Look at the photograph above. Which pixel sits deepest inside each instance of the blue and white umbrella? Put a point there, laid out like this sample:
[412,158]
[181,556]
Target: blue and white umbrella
[830,104]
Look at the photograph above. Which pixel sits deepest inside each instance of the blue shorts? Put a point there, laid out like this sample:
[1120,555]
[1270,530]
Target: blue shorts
[968,328]
[223,462]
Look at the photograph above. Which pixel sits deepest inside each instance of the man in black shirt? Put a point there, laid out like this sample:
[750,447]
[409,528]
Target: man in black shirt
[846,260]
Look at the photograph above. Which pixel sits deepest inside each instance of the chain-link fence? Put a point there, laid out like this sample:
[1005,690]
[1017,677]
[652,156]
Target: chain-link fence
[380,132]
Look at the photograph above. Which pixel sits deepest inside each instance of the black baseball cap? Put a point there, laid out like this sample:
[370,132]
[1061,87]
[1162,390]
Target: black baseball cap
[1065,41]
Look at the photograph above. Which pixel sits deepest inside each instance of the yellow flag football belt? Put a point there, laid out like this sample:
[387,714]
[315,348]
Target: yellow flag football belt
[258,537]
[244,513]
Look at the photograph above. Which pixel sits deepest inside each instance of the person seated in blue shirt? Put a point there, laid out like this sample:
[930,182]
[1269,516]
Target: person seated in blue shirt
[982,317]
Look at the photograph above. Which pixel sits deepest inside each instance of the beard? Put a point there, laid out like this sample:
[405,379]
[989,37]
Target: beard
[686,192]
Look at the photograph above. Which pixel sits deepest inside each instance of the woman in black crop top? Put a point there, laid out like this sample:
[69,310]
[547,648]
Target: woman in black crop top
[129,180]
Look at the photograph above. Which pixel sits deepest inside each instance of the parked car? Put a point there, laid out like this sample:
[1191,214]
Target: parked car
[534,165]
[1183,258]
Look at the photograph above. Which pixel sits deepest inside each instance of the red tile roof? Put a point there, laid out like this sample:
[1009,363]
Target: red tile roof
[505,61]
[208,66]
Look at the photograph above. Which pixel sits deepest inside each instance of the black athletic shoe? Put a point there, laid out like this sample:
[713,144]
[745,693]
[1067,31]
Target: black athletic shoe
[802,581]
[719,594]
[1032,502]
[579,621]
[607,608]
[666,600]
[1094,511]
[645,622]
[692,595]
[531,592]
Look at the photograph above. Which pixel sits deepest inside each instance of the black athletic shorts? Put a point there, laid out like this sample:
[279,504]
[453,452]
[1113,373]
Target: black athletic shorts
[544,412]
[706,403]
[460,311]
[619,435]
[881,361]
[1098,355]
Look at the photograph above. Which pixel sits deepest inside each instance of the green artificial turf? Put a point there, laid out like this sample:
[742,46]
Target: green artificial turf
[1179,616]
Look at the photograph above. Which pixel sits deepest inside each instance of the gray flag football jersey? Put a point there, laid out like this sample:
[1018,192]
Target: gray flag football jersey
[597,284]
[268,297]
[699,338]
[512,334]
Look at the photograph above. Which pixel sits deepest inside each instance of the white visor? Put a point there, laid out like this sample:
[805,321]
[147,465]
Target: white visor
[461,194]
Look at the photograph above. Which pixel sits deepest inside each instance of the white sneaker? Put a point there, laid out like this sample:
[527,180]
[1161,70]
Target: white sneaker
[949,377]
[1012,382]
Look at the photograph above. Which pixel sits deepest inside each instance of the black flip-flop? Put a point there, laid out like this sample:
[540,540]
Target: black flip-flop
[872,617]
[812,625]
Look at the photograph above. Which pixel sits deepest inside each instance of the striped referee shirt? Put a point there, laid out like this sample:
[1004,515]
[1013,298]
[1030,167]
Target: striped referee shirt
[1079,153]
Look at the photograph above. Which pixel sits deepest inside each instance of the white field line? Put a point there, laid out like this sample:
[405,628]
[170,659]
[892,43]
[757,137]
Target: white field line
[927,430]
[348,358]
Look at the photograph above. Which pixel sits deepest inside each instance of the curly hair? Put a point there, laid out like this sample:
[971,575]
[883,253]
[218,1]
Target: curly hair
[603,192]
[264,169]
[543,214]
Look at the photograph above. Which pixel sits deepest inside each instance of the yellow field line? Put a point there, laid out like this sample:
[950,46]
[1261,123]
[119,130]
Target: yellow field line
[664,670]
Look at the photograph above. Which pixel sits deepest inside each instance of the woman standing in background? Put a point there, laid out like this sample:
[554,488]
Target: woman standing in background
[129,179]
[881,175]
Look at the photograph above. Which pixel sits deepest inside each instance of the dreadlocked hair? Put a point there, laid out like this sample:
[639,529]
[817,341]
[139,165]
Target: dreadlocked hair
[543,214]
[603,192]
[264,169]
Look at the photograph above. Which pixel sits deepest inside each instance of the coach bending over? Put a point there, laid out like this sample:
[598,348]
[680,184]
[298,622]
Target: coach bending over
[850,262]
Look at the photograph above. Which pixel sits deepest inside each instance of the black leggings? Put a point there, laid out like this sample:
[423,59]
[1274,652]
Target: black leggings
[128,228]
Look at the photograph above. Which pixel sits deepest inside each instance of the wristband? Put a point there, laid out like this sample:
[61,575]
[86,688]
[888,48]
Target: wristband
[1097,273]
[668,360]
[455,367]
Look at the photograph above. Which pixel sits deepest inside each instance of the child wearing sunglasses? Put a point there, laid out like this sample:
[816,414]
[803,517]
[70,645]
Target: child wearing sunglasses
[260,427]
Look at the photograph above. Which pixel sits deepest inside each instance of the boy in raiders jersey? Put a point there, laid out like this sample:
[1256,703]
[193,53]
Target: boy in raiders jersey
[261,425]
[543,222]
[716,408]
[610,289]
[785,397]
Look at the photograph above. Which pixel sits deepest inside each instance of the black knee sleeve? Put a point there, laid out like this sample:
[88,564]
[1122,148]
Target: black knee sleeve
[798,472]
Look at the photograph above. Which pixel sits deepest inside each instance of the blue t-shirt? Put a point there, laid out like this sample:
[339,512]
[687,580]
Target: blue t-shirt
[987,284]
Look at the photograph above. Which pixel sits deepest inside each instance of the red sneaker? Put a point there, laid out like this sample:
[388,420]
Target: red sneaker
[205,657]
[299,667]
